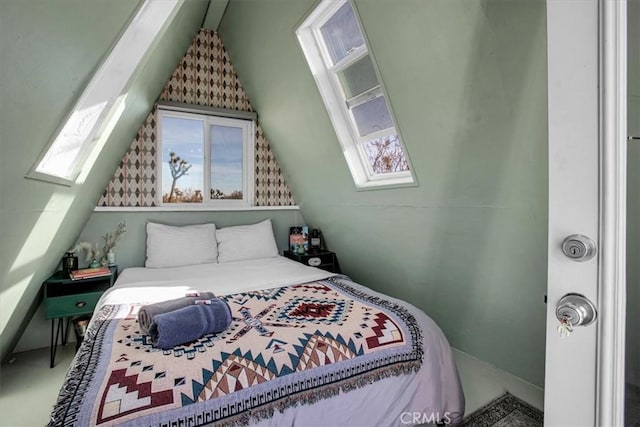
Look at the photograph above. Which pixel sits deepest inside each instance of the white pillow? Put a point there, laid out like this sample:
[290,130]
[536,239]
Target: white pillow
[242,242]
[172,246]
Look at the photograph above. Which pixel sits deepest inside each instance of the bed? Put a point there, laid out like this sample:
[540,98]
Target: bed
[306,347]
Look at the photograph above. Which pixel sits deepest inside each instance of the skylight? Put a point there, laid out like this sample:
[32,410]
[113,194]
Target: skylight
[66,155]
[340,59]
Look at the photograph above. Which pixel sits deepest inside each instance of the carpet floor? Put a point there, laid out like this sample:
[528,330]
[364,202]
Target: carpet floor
[505,411]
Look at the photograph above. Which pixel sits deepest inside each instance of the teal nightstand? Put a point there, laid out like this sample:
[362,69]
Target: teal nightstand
[65,298]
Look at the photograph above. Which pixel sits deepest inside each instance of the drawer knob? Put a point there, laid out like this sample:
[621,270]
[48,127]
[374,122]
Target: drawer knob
[81,304]
[315,261]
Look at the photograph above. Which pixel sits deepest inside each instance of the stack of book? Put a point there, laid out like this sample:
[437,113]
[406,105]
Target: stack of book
[87,273]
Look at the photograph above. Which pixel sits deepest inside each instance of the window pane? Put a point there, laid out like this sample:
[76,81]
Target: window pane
[182,160]
[372,116]
[63,154]
[386,155]
[341,33]
[358,77]
[226,162]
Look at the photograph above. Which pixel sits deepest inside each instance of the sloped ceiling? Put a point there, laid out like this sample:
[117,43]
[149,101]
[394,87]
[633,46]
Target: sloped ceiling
[49,52]
[467,82]
[214,14]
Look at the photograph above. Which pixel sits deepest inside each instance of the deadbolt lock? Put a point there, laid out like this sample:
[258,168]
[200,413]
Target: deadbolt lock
[579,247]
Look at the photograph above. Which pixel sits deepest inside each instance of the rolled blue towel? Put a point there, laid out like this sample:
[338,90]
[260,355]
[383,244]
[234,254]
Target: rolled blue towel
[189,323]
[148,312]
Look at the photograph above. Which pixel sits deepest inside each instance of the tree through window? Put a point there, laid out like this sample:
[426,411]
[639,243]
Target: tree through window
[348,80]
[204,159]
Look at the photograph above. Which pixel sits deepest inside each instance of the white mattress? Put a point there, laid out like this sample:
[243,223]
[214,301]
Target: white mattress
[150,285]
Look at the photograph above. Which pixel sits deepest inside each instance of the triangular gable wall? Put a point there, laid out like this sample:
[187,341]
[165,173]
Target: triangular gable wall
[205,76]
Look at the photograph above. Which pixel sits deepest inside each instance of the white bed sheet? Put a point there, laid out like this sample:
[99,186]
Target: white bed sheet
[148,285]
[433,393]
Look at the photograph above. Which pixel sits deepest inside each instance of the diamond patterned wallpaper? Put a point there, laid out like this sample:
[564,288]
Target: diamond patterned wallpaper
[205,76]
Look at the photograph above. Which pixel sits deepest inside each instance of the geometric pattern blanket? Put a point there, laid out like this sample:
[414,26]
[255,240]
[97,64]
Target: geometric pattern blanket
[286,346]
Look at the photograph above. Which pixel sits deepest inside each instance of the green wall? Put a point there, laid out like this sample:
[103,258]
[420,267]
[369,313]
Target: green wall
[49,52]
[467,82]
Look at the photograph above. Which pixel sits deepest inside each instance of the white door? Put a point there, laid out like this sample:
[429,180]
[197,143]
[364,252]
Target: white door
[584,379]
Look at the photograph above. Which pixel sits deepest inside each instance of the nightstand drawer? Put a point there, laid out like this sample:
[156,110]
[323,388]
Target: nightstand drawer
[319,260]
[325,260]
[71,305]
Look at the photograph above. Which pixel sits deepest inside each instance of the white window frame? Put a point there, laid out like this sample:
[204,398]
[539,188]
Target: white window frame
[102,99]
[209,117]
[337,103]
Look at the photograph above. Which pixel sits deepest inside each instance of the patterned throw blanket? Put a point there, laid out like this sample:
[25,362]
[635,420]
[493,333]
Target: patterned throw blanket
[286,346]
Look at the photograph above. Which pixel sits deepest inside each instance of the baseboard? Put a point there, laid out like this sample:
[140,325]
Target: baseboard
[482,382]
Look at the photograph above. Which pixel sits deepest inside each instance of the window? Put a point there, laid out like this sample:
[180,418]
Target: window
[102,101]
[347,77]
[64,157]
[204,159]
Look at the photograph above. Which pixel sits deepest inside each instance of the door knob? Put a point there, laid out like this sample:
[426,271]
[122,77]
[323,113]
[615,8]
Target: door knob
[579,247]
[576,309]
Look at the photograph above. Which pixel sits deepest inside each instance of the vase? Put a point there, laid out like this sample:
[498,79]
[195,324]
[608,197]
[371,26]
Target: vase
[94,263]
